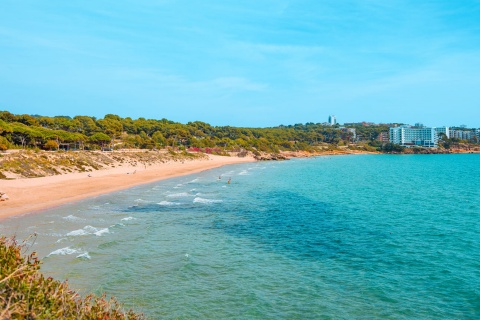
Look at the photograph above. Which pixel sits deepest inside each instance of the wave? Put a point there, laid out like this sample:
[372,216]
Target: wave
[168,203]
[128,219]
[63,251]
[90,229]
[79,232]
[119,224]
[178,195]
[206,201]
[244,173]
[87,230]
[101,232]
[72,218]
[84,255]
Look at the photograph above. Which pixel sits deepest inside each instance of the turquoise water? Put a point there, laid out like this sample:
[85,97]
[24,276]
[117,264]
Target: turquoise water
[368,236]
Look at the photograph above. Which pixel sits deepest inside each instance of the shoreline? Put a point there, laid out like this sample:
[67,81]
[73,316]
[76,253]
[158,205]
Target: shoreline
[31,195]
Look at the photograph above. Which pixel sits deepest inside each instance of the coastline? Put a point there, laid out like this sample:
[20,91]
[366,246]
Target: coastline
[30,195]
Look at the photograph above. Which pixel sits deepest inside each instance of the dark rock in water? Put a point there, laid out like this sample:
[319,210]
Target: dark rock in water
[270,157]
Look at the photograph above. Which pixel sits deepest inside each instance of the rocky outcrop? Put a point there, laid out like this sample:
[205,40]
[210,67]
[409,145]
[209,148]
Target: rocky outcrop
[270,157]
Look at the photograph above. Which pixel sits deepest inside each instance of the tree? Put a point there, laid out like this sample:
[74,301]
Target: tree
[51,145]
[87,125]
[158,138]
[99,138]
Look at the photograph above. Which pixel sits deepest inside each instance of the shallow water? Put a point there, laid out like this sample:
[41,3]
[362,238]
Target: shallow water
[370,236]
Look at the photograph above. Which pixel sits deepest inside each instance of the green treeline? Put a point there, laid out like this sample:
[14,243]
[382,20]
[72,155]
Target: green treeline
[84,132]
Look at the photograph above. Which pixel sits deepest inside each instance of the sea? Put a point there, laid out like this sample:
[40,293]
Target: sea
[329,237]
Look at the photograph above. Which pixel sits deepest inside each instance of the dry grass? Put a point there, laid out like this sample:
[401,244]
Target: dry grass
[29,164]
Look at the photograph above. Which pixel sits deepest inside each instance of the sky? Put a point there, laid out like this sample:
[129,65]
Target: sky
[250,63]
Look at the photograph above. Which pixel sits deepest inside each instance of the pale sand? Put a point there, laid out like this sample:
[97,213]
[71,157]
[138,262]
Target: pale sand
[36,194]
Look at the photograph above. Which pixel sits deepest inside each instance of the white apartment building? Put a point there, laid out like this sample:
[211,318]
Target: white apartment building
[408,136]
[332,120]
[444,130]
[462,134]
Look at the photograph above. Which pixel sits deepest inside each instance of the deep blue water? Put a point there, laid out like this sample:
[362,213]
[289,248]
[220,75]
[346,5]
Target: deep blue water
[369,236]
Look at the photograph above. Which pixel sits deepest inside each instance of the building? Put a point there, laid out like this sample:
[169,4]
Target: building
[332,120]
[351,131]
[408,136]
[383,136]
[462,134]
[444,130]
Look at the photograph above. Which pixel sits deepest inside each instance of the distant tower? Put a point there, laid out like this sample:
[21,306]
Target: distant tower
[332,120]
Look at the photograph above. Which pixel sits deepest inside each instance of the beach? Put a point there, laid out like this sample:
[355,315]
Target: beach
[29,195]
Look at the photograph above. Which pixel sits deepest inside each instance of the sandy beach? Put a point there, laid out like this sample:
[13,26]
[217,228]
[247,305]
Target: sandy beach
[36,194]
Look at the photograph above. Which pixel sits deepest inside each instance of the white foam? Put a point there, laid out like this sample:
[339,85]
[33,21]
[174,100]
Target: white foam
[168,203]
[90,229]
[63,251]
[178,195]
[243,173]
[84,256]
[72,218]
[202,200]
[75,233]
[101,232]
[86,231]
[128,219]
[194,180]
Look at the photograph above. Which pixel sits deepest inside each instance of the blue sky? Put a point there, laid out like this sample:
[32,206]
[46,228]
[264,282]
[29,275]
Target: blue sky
[250,63]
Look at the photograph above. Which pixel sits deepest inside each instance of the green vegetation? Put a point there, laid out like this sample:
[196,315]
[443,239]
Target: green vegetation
[114,132]
[26,294]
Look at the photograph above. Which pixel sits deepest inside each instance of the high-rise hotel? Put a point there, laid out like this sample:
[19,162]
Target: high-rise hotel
[420,136]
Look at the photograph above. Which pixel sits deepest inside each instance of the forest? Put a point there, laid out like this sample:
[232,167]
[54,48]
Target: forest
[113,132]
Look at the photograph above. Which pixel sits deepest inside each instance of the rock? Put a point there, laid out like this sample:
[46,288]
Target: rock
[270,157]
[3,196]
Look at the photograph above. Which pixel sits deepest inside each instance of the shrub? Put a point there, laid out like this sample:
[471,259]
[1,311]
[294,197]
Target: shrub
[27,294]
[51,145]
